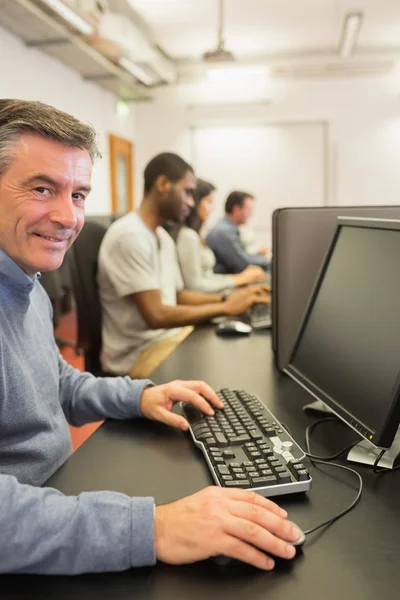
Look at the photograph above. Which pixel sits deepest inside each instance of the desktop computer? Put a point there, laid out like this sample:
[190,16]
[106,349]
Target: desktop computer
[347,353]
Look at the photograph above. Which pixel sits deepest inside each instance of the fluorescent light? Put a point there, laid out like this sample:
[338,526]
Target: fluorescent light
[236,75]
[350,31]
[71,16]
[136,70]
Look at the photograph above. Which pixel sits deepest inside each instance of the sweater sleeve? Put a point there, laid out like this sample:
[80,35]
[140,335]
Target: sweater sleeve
[85,398]
[43,531]
[189,255]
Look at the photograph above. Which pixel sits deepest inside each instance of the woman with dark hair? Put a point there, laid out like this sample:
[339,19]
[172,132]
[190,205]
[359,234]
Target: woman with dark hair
[196,259]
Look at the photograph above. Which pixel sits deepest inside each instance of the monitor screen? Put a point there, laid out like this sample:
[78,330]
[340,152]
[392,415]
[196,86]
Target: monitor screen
[348,350]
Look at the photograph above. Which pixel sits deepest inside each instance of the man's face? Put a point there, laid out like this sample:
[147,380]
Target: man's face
[245,212]
[42,197]
[177,199]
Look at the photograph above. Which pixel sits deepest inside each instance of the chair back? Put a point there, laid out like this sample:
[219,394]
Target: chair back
[82,258]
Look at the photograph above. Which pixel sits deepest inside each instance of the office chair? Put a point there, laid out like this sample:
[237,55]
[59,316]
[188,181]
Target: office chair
[58,287]
[82,260]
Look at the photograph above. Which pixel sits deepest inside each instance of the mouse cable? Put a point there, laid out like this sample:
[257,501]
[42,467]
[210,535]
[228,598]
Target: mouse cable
[308,431]
[325,461]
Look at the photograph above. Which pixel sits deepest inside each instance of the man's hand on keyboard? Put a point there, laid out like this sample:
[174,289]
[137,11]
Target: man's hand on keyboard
[239,301]
[216,521]
[157,402]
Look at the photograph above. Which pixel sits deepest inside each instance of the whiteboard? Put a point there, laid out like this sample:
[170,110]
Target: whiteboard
[281,165]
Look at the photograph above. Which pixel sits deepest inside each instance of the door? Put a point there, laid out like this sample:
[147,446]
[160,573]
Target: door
[121,171]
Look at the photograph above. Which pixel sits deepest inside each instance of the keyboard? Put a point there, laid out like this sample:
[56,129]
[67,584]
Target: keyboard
[259,316]
[245,446]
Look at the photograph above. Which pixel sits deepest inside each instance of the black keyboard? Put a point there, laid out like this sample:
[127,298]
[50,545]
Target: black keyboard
[259,316]
[245,446]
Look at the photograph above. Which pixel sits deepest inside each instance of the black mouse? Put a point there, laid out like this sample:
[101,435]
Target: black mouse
[223,561]
[233,328]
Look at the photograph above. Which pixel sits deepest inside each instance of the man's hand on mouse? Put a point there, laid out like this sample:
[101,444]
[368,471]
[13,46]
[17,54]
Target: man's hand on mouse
[157,401]
[215,521]
[242,299]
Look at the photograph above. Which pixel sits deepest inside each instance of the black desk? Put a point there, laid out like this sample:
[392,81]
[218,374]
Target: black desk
[356,558]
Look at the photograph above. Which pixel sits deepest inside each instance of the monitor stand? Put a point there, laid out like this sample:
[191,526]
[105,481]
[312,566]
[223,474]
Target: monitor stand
[364,452]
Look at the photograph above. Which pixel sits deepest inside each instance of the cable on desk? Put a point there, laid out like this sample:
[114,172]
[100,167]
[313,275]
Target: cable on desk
[326,461]
[308,431]
[379,470]
[375,468]
[346,510]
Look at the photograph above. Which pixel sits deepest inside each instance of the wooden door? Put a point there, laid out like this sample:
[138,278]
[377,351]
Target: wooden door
[121,171]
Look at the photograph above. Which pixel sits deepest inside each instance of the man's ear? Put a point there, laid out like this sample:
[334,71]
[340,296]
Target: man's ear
[162,185]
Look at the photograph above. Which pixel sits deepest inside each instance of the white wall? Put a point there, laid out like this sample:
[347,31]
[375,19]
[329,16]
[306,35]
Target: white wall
[362,115]
[32,75]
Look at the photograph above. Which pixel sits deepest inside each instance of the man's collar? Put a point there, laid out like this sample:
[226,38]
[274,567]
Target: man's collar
[10,270]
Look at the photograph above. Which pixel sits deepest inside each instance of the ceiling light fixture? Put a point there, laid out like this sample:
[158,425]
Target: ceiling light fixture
[136,70]
[350,31]
[69,15]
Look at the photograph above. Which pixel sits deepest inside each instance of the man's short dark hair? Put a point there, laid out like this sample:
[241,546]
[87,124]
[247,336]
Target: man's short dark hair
[169,164]
[236,199]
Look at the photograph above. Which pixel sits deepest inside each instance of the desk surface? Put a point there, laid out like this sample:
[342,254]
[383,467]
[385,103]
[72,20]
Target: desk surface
[355,558]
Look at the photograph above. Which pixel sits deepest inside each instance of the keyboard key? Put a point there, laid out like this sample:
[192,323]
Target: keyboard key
[284,478]
[264,481]
[223,470]
[204,436]
[239,440]
[209,441]
[228,454]
[221,440]
[302,475]
[255,454]
[242,483]
[255,435]
[266,472]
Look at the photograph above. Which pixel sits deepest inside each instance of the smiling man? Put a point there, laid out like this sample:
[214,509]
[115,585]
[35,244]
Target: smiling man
[46,160]
[141,287]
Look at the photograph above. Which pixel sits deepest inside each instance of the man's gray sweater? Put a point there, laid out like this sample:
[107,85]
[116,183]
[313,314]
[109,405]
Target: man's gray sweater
[41,530]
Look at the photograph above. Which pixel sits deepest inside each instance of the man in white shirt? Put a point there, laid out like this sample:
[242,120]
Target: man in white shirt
[140,285]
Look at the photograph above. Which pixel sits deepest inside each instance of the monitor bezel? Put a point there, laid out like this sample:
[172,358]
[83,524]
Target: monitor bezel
[382,437]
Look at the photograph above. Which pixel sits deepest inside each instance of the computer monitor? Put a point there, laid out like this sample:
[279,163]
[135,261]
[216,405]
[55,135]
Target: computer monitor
[300,238]
[347,353]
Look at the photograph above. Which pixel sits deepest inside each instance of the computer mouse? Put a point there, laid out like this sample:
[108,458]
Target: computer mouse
[233,328]
[223,561]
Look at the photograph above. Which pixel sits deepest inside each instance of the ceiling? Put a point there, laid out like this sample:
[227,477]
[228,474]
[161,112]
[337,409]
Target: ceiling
[187,28]
[293,37]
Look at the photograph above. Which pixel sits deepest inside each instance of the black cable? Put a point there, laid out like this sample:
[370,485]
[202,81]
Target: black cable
[309,429]
[379,470]
[324,461]
[324,458]
[375,468]
[346,510]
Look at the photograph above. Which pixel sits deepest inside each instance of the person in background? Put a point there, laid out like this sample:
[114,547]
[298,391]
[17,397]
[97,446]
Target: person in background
[141,289]
[46,161]
[196,259]
[224,239]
